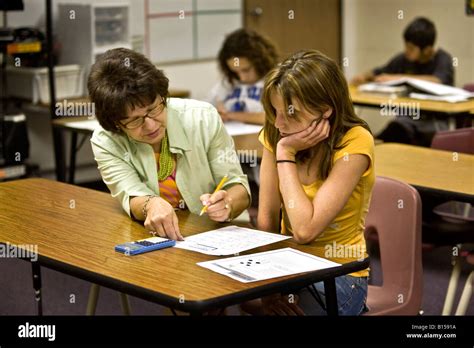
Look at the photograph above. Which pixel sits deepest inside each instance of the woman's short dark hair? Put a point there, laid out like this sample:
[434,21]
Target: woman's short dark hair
[421,32]
[247,44]
[122,80]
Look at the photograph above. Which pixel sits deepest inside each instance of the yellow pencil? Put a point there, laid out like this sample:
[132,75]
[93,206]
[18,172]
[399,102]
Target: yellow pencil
[223,180]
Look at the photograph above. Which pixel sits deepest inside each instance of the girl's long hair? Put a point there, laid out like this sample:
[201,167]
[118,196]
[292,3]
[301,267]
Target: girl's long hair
[317,83]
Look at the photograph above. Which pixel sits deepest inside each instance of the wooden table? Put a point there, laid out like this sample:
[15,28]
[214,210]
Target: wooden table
[80,241]
[428,169]
[450,110]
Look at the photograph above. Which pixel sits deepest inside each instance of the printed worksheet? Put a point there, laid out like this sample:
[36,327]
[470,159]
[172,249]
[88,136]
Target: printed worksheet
[267,265]
[228,240]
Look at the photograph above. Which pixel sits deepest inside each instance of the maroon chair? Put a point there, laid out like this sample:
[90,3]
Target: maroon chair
[395,215]
[467,292]
[469,87]
[458,140]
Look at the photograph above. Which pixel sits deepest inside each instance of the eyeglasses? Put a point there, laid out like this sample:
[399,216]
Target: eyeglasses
[140,120]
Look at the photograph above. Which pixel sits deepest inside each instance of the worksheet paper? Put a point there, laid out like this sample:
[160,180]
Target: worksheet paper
[228,240]
[267,265]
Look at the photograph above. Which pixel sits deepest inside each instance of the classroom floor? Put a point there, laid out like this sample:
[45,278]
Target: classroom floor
[66,295]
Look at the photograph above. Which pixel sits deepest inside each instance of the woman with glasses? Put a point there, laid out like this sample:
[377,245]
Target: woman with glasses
[157,154]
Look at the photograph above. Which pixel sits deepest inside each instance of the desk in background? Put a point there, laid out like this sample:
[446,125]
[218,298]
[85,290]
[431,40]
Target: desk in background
[428,169]
[80,241]
[449,110]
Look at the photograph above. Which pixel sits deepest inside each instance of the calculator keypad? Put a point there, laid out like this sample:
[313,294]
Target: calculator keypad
[145,243]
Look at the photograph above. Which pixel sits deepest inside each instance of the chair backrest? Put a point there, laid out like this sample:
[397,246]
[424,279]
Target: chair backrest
[469,87]
[395,214]
[459,140]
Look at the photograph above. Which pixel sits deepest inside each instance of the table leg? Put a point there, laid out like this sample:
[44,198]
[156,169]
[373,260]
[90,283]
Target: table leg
[36,271]
[125,304]
[451,123]
[93,297]
[59,155]
[72,157]
[452,286]
[466,295]
[331,296]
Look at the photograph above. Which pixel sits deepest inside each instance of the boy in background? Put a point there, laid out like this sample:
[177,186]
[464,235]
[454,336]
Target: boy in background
[420,60]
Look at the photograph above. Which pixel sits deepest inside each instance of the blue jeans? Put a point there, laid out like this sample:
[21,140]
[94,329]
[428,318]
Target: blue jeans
[351,297]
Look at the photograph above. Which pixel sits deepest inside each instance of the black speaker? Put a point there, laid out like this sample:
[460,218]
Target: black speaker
[11,5]
[14,139]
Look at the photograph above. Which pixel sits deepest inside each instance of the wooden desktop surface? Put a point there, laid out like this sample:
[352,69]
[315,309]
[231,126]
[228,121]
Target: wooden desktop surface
[370,99]
[78,228]
[426,167]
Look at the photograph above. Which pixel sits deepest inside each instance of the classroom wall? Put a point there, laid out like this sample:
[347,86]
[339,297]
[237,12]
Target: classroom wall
[372,34]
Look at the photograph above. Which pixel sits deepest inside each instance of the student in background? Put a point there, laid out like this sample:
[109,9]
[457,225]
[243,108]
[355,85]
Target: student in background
[422,61]
[318,162]
[244,59]
[158,154]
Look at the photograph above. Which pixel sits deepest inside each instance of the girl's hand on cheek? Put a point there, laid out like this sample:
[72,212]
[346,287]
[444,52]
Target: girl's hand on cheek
[307,138]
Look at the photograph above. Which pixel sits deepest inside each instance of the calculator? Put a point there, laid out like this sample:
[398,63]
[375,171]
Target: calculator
[144,245]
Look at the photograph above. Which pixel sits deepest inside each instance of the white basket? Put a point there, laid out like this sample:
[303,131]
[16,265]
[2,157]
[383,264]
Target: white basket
[33,83]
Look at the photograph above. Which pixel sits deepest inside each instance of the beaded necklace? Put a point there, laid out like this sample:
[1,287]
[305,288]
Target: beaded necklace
[166,159]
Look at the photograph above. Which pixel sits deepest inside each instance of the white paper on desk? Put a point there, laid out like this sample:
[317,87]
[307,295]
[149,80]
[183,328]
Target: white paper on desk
[239,128]
[88,124]
[228,240]
[445,98]
[267,265]
[422,86]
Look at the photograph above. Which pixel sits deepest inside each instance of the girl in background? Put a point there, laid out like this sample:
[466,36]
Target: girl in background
[244,59]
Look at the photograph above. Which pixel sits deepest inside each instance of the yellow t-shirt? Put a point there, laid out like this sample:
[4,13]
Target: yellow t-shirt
[343,240]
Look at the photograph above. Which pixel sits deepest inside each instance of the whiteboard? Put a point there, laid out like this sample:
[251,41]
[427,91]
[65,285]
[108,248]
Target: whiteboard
[189,29]
[171,39]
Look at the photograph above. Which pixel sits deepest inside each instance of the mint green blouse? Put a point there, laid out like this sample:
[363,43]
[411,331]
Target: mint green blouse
[204,154]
